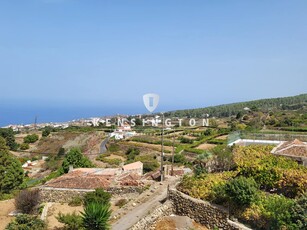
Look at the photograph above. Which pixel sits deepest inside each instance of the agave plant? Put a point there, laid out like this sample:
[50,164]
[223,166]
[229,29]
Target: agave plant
[96,216]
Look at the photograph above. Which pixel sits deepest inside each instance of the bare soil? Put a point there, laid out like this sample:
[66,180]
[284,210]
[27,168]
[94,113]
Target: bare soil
[6,207]
[55,209]
[205,146]
[224,137]
[178,222]
[150,146]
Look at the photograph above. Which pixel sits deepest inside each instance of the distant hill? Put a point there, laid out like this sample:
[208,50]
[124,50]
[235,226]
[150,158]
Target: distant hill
[298,102]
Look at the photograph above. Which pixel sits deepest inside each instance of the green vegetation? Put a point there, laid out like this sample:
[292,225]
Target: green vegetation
[96,216]
[11,172]
[288,103]
[46,131]
[241,191]
[113,147]
[149,163]
[98,196]
[71,221]
[96,213]
[32,138]
[24,146]
[61,152]
[151,140]
[8,135]
[179,158]
[185,140]
[261,189]
[76,201]
[131,153]
[113,162]
[26,222]
[75,158]
[270,171]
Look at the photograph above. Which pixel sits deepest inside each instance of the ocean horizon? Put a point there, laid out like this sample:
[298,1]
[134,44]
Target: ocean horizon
[21,115]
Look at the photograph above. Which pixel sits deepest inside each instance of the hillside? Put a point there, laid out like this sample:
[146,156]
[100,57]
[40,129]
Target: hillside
[298,102]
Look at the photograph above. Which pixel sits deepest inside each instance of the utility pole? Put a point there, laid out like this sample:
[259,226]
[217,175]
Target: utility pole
[172,172]
[162,148]
[35,122]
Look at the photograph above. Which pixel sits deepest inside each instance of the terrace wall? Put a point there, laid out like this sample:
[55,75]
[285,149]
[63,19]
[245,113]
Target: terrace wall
[202,212]
[61,195]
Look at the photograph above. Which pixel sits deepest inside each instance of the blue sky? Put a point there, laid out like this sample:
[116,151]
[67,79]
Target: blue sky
[110,53]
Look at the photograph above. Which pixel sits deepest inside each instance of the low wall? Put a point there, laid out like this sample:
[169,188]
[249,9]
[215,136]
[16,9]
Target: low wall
[60,195]
[202,212]
[150,220]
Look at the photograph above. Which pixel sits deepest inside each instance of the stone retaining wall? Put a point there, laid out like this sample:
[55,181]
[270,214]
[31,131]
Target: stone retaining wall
[202,212]
[149,221]
[60,195]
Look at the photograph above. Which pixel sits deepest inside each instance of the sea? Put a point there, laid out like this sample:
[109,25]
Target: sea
[22,115]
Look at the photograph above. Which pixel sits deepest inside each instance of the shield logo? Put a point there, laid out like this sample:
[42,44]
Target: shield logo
[151,101]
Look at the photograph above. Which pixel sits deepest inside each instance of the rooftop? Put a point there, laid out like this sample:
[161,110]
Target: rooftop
[294,148]
[132,166]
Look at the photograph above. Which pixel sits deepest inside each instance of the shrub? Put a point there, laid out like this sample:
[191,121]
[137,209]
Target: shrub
[293,182]
[24,146]
[269,171]
[53,163]
[277,209]
[71,221]
[46,131]
[27,200]
[179,158]
[26,222]
[121,202]
[96,216]
[149,163]
[299,211]
[241,191]
[98,196]
[76,201]
[30,138]
[185,140]
[109,161]
[202,187]
[113,147]
[132,153]
[61,152]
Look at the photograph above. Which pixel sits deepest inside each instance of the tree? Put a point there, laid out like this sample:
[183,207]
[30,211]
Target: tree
[30,138]
[75,158]
[46,131]
[8,135]
[223,158]
[11,172]
[61,152]
[96,216]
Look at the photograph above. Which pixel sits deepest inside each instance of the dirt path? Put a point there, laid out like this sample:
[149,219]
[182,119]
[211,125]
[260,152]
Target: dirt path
[144,205]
